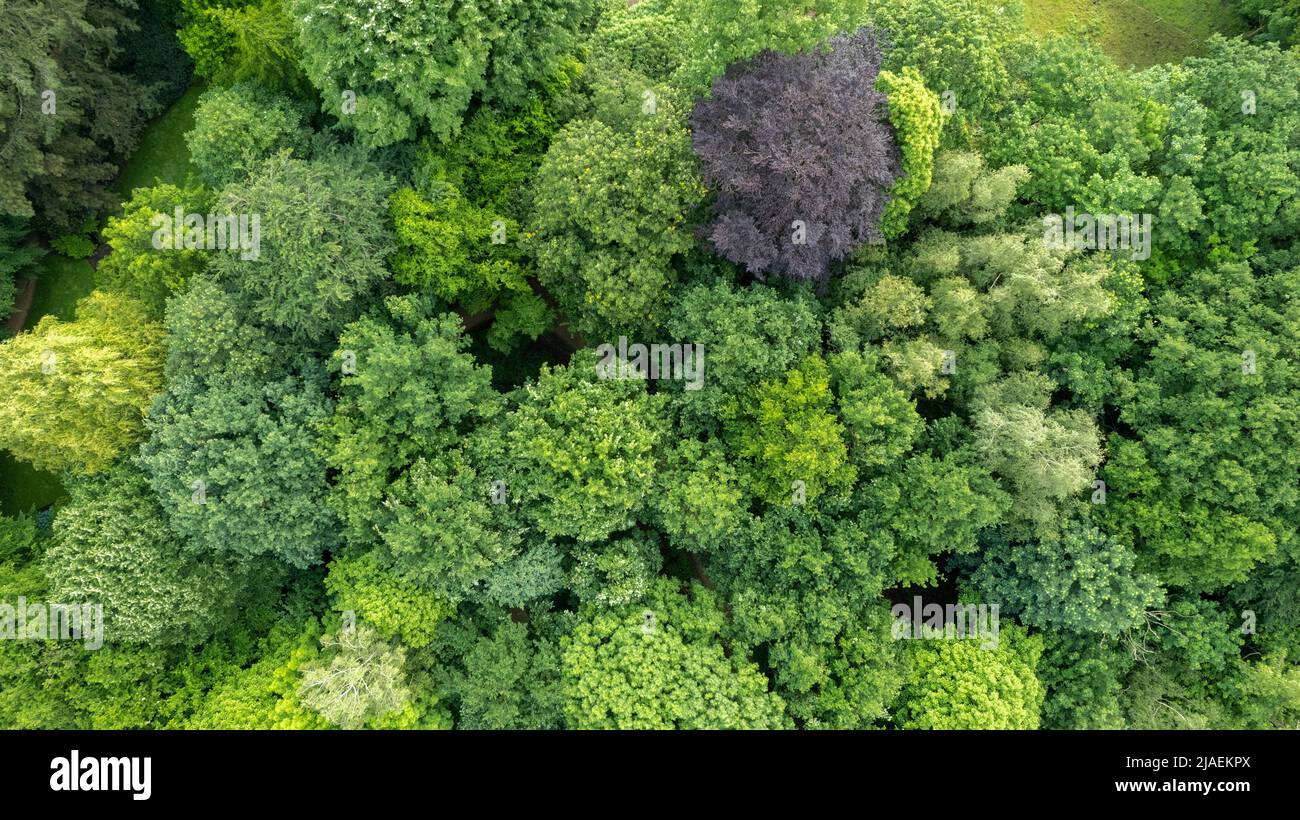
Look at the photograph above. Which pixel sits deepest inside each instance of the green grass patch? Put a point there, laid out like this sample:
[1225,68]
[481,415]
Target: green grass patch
[162,154]
[23,488]
[61,283]
[1137,33]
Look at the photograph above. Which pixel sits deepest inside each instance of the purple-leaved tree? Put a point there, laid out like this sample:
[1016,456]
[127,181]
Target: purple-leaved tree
[801,155]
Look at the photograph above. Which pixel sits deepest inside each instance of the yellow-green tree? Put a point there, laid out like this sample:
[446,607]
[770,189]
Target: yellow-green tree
[136,267]
[658,664]
[917,117]
[75,393]
[969,684]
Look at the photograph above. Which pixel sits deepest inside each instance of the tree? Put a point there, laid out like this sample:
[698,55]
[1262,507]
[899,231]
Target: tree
[1270,694]
[1280,18]
[18,536]
[76,392]
[153,53]
[917,117]
[852,687]
[1271,592]
[643,37]
[1079,581]
[112,548]
[624,669]
[137,266]
[700,501]
[437,528]
[1092,149]
[1191,670]
[953,311]
[68,113]
[236,128]
[407,389]
[1044,455]
[707,36]
[208,337]
[957,684]
[879,419]
[964,192]
[362,584]
[562,479]
[610,208]
[1203,482]
[960,48]
[324,245]
[749,334]
[265,693]
[1231,176]
[929,506]
[501,674]
[469,256]
[493,50]
[234,41]
[797,186]
[511,682]
[493,159]
[446,246]
[358,677]
[617,572]
[802,585]
[235,465]
[787,434]
[536,573]
[1082,678]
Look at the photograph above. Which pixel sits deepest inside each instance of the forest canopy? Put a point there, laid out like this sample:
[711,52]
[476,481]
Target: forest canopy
[546,364]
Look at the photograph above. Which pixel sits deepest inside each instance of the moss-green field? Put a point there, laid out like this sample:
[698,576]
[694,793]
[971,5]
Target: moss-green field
[1137,33]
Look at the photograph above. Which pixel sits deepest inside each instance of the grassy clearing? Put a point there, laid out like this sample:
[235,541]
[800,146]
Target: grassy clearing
[162,154]
[61,283]
[1137,33]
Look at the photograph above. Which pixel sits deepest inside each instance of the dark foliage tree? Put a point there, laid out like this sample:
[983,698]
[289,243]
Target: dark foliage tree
[154,54]
[801,154]
[67,111]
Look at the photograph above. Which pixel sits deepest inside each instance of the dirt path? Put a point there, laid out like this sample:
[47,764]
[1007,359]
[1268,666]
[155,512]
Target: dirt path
[22,305]
[103,250]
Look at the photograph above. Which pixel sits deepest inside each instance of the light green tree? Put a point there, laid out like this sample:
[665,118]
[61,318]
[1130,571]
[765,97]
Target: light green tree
[658,664]
[358,677]
[76,392]
[137,266]
[957,684]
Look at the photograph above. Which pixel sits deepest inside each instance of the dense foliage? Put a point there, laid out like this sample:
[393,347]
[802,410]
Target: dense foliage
[674,364]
